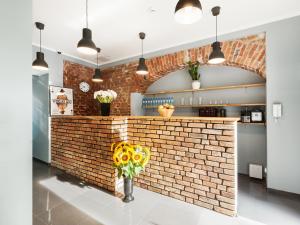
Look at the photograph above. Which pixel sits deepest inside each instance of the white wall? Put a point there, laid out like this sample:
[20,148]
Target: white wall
[15,114]
[283,72]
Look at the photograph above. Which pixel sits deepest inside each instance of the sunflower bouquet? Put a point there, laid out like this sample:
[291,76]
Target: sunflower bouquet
[129,159]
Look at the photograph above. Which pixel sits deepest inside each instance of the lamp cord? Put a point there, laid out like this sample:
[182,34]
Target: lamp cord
[86,13]
[40,40]
[97,61]
[216,28]
[142,48]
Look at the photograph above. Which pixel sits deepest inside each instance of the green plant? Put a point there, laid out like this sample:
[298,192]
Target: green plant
[193,68]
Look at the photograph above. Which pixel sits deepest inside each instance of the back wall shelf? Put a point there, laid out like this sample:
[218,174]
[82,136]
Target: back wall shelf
[214,105]
[208,89]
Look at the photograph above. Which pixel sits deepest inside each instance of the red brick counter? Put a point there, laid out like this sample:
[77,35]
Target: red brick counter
[193,158]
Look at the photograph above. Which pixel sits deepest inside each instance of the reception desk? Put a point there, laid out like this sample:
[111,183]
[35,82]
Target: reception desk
[193,159]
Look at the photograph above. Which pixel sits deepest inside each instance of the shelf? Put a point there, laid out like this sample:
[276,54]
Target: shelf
[263,124]
[209,89]
[213,105]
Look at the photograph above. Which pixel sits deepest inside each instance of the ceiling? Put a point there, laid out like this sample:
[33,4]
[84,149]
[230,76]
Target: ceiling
[116,23]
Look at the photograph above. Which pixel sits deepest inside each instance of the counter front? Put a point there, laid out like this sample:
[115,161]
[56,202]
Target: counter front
[193,159]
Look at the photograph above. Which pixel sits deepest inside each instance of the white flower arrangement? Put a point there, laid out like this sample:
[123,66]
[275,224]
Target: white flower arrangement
[105,96]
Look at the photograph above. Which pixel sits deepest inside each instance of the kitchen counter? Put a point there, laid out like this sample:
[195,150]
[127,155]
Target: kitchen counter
[230,119]
[193,159]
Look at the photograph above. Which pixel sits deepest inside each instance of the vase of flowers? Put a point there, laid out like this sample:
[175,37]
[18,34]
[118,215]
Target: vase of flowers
[193,68]
[129,160]
[105,98]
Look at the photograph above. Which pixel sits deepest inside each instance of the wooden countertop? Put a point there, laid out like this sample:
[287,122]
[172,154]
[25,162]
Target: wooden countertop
[230,119]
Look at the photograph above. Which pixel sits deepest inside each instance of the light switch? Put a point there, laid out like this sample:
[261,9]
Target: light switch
[277,110]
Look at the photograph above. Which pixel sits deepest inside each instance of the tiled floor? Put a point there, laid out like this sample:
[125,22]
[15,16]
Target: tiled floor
[269,207]
[59,199]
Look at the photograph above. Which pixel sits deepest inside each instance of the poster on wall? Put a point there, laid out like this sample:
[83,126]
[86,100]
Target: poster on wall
[61,101]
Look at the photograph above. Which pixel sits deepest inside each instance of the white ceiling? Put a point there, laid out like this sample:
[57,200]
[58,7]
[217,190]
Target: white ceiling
[116,23]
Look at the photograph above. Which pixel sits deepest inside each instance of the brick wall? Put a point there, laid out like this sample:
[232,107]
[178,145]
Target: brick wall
[83,103]
[81,147]
[193,160]
[246,53]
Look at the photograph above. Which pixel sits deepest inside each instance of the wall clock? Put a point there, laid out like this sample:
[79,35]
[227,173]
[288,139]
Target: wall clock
[84,86]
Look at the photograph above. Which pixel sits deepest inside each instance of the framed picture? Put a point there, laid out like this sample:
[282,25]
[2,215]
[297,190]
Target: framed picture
[61,101]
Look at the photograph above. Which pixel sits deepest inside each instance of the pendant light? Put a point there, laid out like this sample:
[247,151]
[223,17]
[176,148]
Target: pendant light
[86,44]
[216,56]
[188,11]
[97,75]
[39,63]
[142,68]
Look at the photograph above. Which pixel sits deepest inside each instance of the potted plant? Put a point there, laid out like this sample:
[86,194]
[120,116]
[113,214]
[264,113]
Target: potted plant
[105,98]
[193,68]
[129,160]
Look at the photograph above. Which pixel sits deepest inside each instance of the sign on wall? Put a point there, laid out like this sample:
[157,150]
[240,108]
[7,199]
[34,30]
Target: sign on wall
[61,101]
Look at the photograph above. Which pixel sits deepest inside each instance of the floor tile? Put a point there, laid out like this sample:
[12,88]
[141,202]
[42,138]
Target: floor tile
[60,199]
[273,208]
[36,221]
[64,214]
[44,200]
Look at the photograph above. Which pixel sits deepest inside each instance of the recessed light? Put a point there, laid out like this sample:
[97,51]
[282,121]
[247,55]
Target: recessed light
[152,9]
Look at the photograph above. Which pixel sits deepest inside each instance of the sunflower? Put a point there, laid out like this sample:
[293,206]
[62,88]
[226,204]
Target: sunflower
[128,150]
[137,157]
[121,145]
[116,157]
[125,158]
[146,156]
[117,160]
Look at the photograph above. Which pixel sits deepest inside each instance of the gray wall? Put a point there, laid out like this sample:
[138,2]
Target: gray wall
[15,114]
[56,65]
[210,76]
[252,146]
[251,138]
[40,116]
[283,71]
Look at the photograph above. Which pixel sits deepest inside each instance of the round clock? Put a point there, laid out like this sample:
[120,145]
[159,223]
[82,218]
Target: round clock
[84,86]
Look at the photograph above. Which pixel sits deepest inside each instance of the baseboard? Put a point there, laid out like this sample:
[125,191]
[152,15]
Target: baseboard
[41,161]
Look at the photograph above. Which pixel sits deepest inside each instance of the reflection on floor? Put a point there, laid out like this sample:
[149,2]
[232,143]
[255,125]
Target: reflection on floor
[59,199]
[269,207]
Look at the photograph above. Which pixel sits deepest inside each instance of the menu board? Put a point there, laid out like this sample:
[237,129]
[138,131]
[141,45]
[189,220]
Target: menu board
[61,101]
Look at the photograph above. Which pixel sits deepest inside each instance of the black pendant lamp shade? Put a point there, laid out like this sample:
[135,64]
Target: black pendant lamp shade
[188,11]
[142,68]
[97,75]
[86,44]
[39,63]
[216,56]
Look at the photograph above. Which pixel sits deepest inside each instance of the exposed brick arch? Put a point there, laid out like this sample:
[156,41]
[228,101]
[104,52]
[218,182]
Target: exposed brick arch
[247,53]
